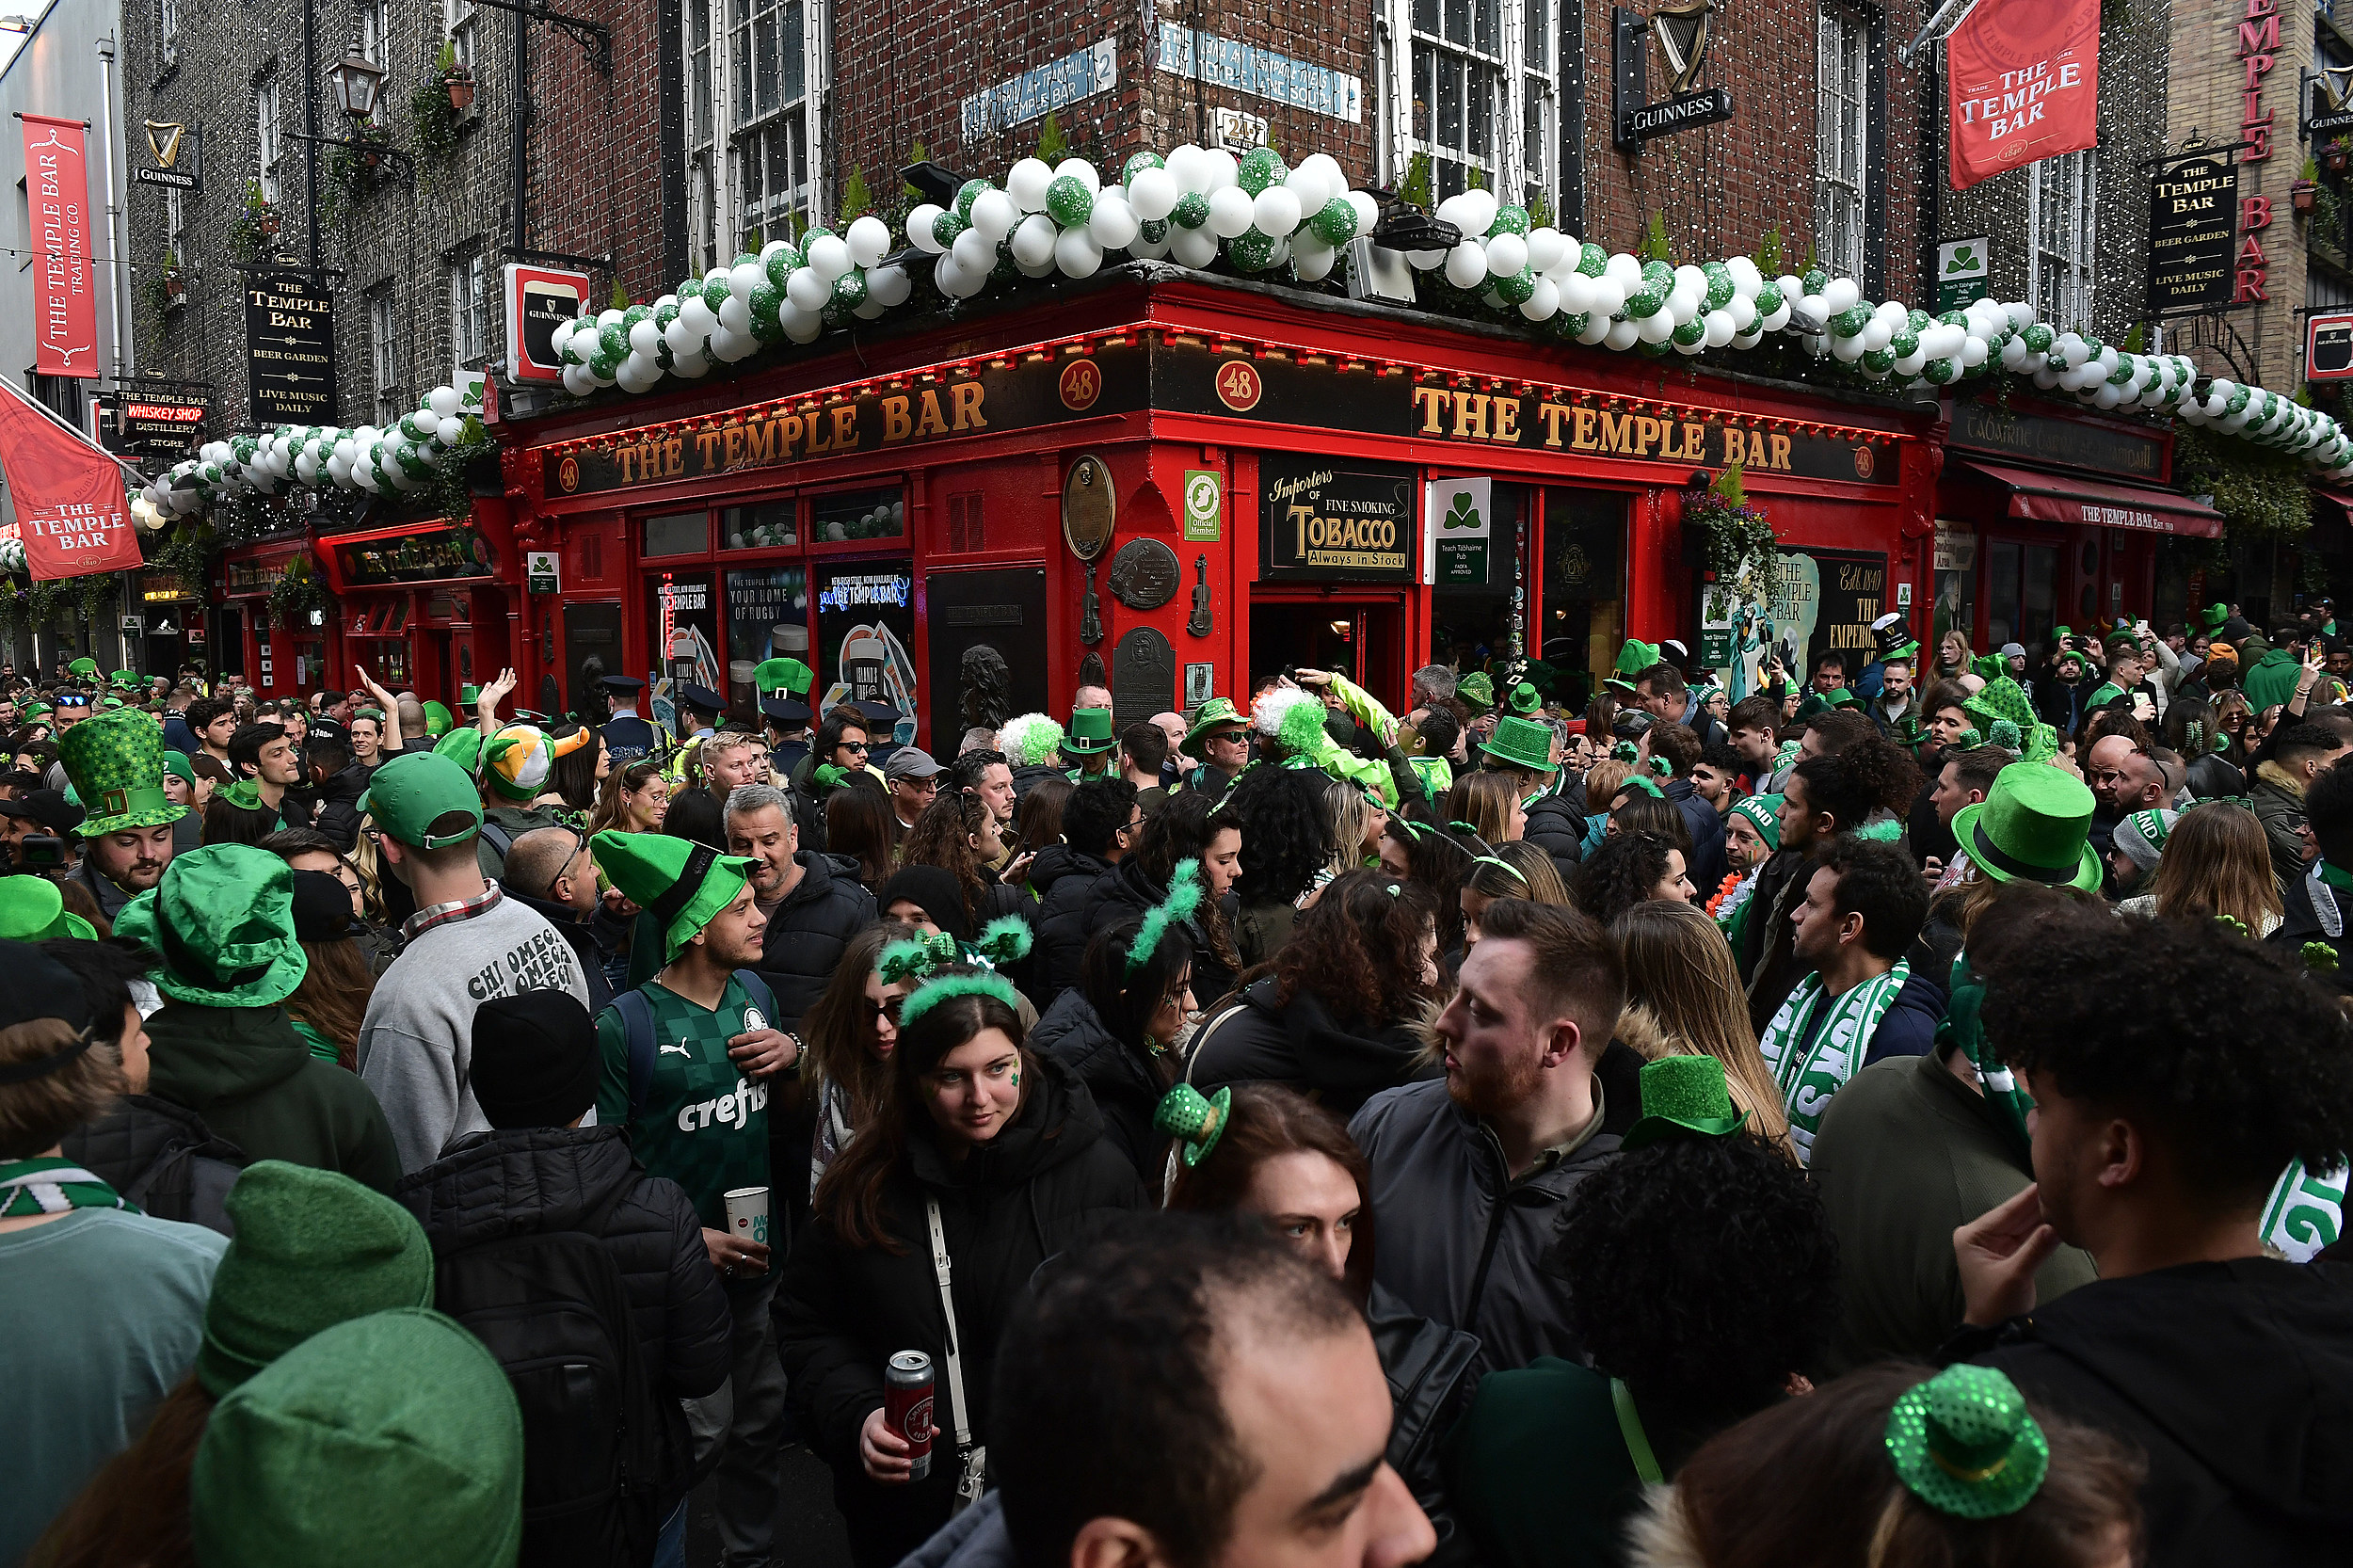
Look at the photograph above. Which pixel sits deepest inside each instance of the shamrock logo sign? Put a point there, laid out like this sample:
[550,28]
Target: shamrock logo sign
[1463,515]
[1964,260]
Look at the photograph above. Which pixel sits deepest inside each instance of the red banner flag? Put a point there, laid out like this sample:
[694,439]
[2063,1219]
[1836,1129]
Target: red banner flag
[71,509]
[65,284]
[2026,85]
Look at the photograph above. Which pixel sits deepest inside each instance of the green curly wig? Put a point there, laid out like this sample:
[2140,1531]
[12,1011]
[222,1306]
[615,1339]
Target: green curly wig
[1030,740]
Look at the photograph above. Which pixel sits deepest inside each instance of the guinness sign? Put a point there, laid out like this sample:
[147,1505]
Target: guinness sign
[1681,30]
[167,141]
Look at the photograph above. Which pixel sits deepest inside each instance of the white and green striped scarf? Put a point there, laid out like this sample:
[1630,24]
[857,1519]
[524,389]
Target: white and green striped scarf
[1809,1077]
[2304,1212]
[49,1185]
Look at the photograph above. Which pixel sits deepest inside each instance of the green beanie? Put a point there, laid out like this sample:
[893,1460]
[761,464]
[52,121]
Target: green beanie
[390,1441]
[312,1248]
[648,869]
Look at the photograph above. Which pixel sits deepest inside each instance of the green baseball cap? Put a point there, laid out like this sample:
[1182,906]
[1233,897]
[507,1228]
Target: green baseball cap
[417,789]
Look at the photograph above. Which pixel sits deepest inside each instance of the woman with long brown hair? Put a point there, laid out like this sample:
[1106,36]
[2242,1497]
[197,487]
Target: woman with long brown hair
[981,1150]
[1515,869]
[957,832]
[1339,1017]
[327,1008]
[860,827]
[849,1035]
[1684,998]
[1490,802]
[2216,862]
[631,799]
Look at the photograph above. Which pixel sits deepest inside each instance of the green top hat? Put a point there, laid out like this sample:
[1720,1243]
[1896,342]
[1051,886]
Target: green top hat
[86,668]
[33,910]
[437,719]
[771,676]
[1763,814]
[2213,618]
[1635,657]
[2000,698]
[468,694]
[127,678]
[1519,743]
[1476,689]
[1194,1119]
[680,882]
[1683,1094]
[1524,701]
[222,919]
[1964,1443]
[2034,826]
[1090,733]
[1217,713]
[116,761]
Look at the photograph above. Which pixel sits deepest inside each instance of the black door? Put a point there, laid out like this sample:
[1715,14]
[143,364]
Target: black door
[592,650]
[1003,610]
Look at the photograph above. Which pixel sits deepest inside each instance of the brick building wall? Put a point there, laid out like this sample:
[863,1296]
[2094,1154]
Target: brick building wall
[2134,68]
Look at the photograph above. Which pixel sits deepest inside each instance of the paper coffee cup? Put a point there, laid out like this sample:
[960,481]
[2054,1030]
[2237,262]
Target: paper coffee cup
[748,1214]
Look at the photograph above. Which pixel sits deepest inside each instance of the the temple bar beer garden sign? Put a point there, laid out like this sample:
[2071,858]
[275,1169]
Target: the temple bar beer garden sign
[2193,209]
[290,348]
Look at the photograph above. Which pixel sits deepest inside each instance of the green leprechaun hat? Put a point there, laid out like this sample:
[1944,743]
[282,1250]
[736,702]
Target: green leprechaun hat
[775,677]
[116,761]
[2033,825]
[83,669]
[33,910]
[1216,715]
[437,720]
[1999,698]
[680,882]
[1524,701]
[1634,657]
[2214,617]
[222,919]
[1683,1094]
[1519,743]
[1476,689]
[1090,733]
[1964,1443]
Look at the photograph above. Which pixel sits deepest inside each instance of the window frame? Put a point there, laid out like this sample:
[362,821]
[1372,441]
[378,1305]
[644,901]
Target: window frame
[167,31]
[2073,296]
[1523,164]
[268,149]
[470,335]
[1842,60]
[384,352]
[731,144]
[458,26]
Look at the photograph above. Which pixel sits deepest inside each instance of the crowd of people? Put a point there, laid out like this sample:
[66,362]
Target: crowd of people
[1900,1119]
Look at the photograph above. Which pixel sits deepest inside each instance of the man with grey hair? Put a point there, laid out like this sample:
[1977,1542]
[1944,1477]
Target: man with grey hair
[813,902]
[1433,685]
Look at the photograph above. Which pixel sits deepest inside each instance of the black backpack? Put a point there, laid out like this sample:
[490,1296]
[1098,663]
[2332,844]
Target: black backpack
[604,1461]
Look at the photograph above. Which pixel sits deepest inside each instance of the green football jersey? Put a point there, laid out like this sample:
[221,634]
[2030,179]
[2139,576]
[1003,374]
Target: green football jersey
[704,1125]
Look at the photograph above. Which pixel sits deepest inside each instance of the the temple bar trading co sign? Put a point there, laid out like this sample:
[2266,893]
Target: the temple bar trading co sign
[2193,215]
[290,349]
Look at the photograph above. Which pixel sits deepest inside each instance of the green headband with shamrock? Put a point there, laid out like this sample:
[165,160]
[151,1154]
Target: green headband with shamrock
[933,959]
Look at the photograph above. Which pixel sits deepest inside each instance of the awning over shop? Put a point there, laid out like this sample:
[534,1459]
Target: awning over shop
[2064,498]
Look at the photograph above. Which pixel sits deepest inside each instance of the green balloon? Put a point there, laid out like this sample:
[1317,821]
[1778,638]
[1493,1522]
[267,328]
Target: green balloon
[612,343]
[1719,289]
[1880,360]
[1192,210]
[966,192]
[1918,318]
[850,288]
[1334,222]
[1147,159]
[691,289]
[763,301]
[2038,339]
[1593,260]
[1517,289]
[664,316]
[1646,301]
[1154,229]
[1068,201]
[1691,332]
[1847,323]
[715,292]
[636,314]
[780,264]
[1768,299]
[1904,343]
[1815,280]
[946,227]
[1258,169]
[1252,251]
[1510,219]
[1938,372]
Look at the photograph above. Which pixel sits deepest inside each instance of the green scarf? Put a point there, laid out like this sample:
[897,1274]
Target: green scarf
[1962,1028]
[2305,1212]
[50,1185]
[1810,1076]
[321,1046]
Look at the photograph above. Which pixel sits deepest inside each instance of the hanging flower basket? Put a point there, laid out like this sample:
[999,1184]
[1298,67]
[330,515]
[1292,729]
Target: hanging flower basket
[2334,155]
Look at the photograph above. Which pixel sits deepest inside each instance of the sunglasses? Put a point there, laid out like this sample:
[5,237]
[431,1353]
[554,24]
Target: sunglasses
[856,745]
[888,1008]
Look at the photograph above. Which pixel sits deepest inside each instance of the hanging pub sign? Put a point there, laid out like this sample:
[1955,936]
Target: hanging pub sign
[290,348]
[2328,346]
[153,428]
[178,157]
[2193,210]
[1327,524]
[1681,29]
[537,297]
[2332,103]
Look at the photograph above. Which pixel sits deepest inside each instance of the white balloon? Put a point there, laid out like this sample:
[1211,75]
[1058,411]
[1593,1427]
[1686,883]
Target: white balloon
[1153,194]
[1973,352]
[1275,211]
[1033,242]
[1223,169]
[1081,170]
[806,328]
[920,223]
[975,255]
[1312,259]
[445,401]
[890,285]
[1540,305]
[869,240]
[1194,247]
[1114,224]
[451,430]
[1308,183]
[1026,183]
[1777,320]
[869,309]
[1547,249]
[1719,327]
[1507,253]
[1682,305]
[1874,335]
[700,319]
[1190,169]
[1038,270]
[677,335]
[1367,209]
[1076,254]
[1840,295]
[735,315]
[1232,212]
[1622,335]
[1655,327]
[828,256]
[1743,309]
[994,215]
[642,338]
[1846,350]
[1623,270]
[1150,250]
[610,314]
[806,289]
[1466,264]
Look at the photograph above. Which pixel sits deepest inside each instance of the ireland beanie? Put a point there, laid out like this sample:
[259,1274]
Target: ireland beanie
[311,1249]
[390,1441]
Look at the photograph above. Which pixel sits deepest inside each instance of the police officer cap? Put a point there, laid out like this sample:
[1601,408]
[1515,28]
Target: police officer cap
[785,710]
[701,698]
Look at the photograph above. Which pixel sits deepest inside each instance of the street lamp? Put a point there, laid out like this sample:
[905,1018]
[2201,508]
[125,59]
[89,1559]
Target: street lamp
[356,80]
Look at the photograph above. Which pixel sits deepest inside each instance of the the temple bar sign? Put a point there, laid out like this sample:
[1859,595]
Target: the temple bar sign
[1661,435]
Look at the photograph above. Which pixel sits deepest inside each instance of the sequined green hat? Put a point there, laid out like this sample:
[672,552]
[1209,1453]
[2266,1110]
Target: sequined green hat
[1194,1119]
[1963,1444]
[1683,1094]
[116,761]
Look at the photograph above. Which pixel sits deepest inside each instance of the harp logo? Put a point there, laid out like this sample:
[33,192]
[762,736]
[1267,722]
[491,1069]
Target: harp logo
[1682,31]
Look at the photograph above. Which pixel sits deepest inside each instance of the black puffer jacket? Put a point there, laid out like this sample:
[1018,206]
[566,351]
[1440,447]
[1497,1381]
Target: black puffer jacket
[1062,877]
[1129,890]
[339,807]
[162,1158]
[1029,776]
[807,931]
[528,1180]
[1557,827]
[1125,1081]
[1259,1040]
[842,1311]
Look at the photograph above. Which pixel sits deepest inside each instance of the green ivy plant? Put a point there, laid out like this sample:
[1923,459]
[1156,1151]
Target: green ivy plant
[2262,494]
[256,226]
[432,116]
[1738,542]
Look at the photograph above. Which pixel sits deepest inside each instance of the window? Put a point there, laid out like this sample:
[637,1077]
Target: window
[375,28]
[1478,94]
[750,130]
[1841,105]
[2059,193]
[457,22]
[265,136]
[468,307]
[384,354]
[1457,91]
[168,30]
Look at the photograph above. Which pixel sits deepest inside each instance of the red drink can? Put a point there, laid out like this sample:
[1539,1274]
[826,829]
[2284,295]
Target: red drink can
[907,1406]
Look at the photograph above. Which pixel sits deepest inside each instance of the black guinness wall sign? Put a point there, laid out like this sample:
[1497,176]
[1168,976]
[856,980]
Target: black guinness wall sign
[1681,29]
